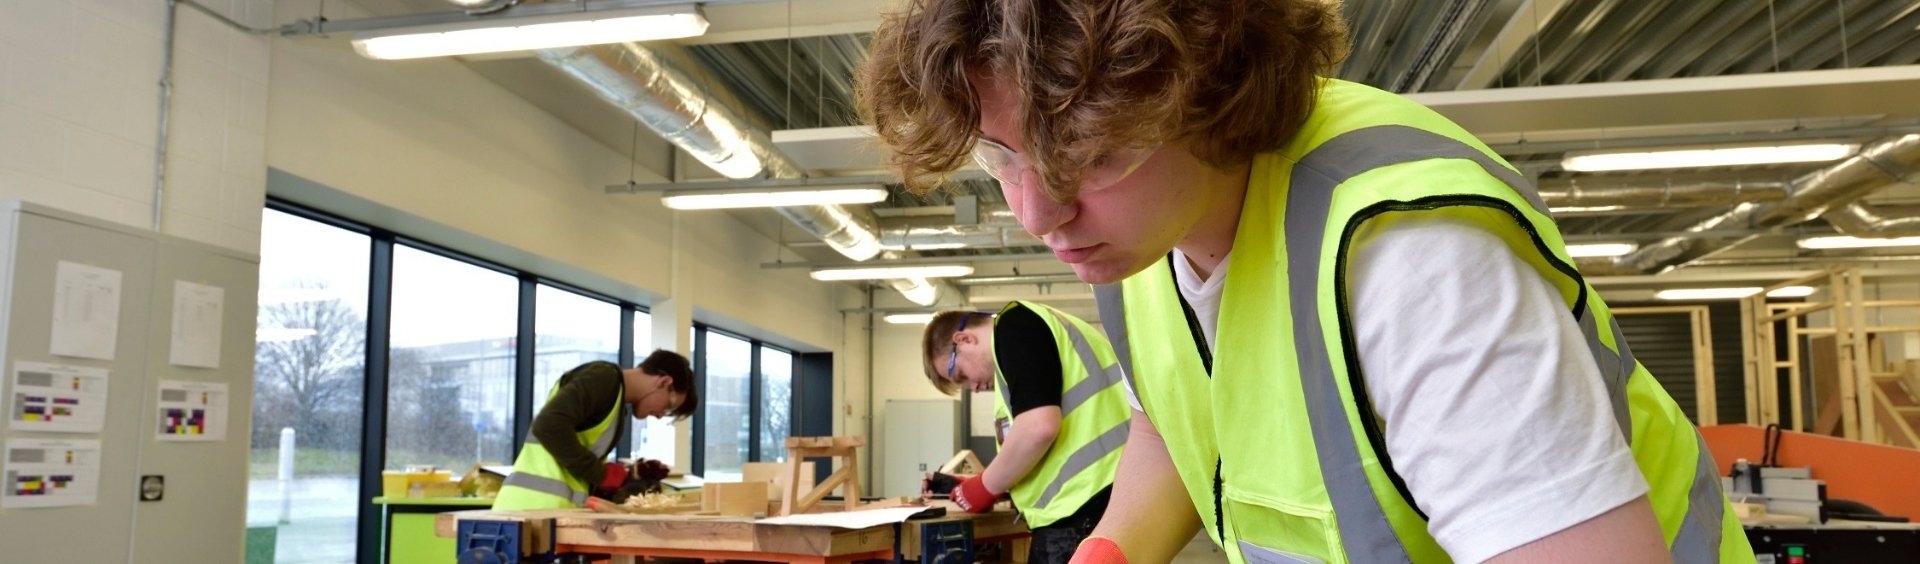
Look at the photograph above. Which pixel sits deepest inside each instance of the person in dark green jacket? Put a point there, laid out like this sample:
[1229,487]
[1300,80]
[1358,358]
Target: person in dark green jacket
[564,459]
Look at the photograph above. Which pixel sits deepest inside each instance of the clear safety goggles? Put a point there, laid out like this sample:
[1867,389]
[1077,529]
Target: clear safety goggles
[1009,167]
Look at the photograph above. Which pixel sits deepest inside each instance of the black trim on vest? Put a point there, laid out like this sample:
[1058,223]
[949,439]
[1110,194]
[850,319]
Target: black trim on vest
[1206,360]
[1355,378]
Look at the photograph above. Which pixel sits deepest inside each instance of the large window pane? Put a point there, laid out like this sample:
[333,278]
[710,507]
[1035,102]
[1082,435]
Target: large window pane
[450,373]
[569,330]
[776,403]
[651,438]
[309,376]
[729,367]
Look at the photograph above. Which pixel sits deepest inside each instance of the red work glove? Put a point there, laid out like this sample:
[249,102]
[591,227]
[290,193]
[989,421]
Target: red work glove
[1098,550]
[972,495]
[617,474]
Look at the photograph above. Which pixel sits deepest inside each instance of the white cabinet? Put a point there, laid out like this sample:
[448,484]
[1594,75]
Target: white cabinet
[921,435]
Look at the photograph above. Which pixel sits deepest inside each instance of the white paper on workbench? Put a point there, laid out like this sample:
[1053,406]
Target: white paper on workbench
[860,519]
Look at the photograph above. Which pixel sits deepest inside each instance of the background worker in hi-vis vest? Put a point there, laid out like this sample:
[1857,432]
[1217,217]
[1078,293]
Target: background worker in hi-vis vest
[1061,417]
[564,459]
[1353,332]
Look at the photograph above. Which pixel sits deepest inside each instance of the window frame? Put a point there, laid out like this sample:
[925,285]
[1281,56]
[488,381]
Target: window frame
[373,440]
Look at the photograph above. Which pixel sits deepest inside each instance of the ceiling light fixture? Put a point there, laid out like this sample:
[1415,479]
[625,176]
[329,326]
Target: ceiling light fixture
[1730,293]
[1601,161]
[886,272]
[1585,209]
[496,34]
[772,197]
[909,318]
[1600,249]
[1848,242]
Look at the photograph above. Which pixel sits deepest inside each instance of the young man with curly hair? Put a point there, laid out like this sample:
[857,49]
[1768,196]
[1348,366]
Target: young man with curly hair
[1351,332]
[1060,416]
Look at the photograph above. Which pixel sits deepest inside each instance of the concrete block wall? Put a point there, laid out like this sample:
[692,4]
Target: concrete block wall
[79,114]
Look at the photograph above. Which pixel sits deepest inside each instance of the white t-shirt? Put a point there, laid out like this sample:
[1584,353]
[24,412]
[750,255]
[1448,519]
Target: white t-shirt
[1512,437]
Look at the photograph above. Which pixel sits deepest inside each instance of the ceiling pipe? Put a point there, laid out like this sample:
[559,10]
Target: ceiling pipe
[1598,192]
[642,83]
[1884,162]
[1858,220]
[957,236]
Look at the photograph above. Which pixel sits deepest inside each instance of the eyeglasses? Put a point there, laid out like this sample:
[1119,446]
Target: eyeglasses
[1008,166]
[954,357]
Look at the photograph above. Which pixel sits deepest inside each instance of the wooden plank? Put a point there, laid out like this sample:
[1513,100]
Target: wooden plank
[1795,389]
[826,487]
[1856,294]
[1750,361]
[1707,406]
[1898,432]
[776,474]
[739,499]
[658,531]
[963,459]
[847,541]
[1843,348]
[1799,311]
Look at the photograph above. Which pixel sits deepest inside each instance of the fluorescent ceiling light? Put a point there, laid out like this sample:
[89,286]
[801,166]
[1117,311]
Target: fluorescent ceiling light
[767,198]
[1731,293]
[568,29]
[886,272]
[1846,242]
[1581,209]
[1593,161]
[1600,249]
[909,318]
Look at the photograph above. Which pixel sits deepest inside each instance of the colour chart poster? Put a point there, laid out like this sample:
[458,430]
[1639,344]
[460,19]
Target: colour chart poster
[192,411]
[57,399]
[50,473]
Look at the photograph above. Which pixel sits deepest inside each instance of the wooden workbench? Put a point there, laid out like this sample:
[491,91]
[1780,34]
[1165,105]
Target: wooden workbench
[724,538]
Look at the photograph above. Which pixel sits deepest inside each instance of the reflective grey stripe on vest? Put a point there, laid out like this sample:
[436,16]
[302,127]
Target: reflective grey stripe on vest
[1098,379]
[547,486]
[1698,540]
[602,445]
[1084,458]
[1113,316]
[1364,528]
[1613,373]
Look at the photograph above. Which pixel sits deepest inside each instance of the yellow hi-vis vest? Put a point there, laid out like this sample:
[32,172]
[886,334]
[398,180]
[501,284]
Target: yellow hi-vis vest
[538,481]
[1273,436]
[1093,422]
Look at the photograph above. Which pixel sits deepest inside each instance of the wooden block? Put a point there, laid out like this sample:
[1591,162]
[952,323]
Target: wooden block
[775,473]
[421,490]
[734,498]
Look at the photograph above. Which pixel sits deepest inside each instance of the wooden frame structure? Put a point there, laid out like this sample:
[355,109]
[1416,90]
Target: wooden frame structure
[1867,412]
[1706,403]
[847,449]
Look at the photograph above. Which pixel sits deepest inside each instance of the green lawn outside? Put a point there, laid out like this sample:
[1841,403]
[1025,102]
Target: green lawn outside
[265,463]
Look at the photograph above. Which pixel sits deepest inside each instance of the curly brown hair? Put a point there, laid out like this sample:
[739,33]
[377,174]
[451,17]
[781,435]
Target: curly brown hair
[1232,78]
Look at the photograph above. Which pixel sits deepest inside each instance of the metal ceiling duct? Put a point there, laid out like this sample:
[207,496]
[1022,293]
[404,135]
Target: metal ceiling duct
[641,82]
[957,236]
[477,7]
[1877,165]
[1858,220]
[997,228]
[1668,192]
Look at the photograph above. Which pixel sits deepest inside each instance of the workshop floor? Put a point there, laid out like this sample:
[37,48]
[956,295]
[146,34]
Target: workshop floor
[1200,551]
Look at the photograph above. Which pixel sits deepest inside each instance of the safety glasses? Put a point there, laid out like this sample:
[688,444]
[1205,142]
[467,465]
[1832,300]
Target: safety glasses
[1009,167]
[954,357]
